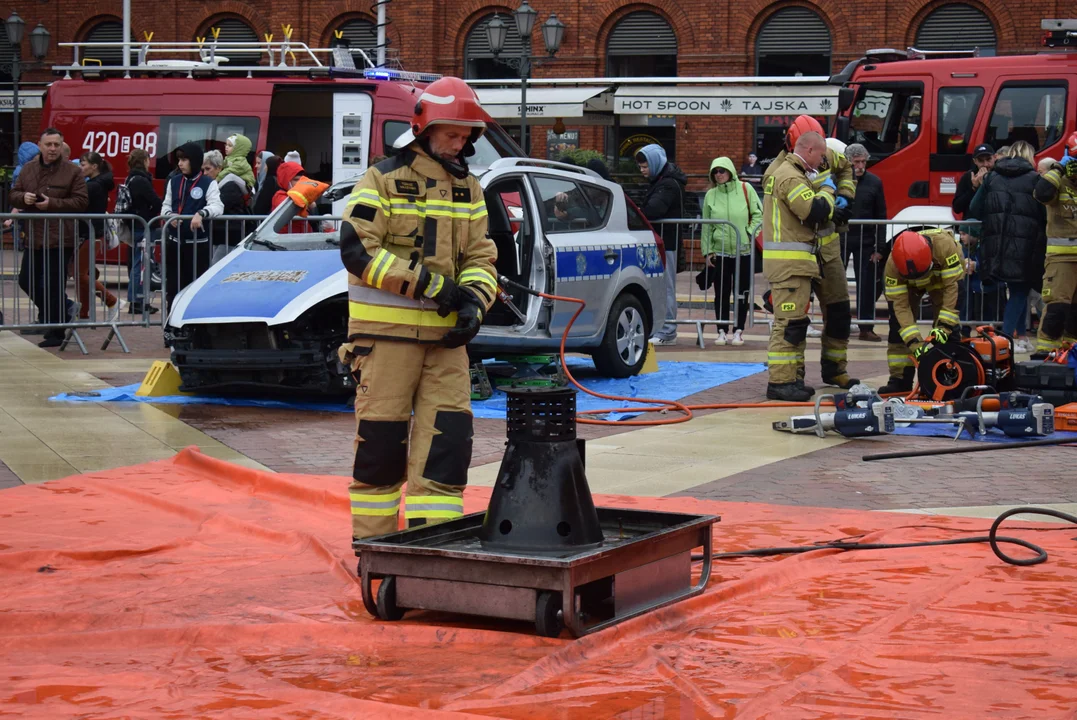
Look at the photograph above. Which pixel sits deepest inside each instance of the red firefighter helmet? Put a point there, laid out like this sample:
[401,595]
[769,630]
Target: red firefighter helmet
[911,254]
[1071,144]
[446,101]
[803,124]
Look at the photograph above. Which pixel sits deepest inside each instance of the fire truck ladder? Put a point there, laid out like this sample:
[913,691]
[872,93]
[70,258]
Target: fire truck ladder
[211,58]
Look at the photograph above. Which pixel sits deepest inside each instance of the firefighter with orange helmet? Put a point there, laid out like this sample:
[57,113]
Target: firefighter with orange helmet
[921,261]
[420,278]
[1057,189]
[834,177]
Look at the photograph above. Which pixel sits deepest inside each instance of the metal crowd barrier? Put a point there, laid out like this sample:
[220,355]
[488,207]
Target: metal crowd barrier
[864,250]
[729,272]
[51,277]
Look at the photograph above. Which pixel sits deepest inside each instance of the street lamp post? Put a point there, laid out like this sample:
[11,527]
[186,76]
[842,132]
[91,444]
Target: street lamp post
[40,39]
[553,31]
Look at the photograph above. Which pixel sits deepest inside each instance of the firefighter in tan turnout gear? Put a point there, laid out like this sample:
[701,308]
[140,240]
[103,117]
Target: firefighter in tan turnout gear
[1057,189]
[800,254]
[926,262]
[420,278]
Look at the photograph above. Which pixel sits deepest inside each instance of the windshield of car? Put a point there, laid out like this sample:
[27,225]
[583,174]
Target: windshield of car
[295,241]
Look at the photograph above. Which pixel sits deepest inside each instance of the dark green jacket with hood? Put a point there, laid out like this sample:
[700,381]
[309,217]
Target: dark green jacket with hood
[737,202]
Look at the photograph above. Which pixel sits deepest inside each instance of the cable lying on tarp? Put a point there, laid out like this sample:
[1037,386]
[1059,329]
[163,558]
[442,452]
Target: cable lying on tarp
[683,413]
[992,538]
[958,450]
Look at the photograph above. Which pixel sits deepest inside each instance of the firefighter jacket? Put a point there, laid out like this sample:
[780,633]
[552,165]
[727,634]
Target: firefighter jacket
[792,211]
[837,167]
[1059,193]
[947,270]
[409,224]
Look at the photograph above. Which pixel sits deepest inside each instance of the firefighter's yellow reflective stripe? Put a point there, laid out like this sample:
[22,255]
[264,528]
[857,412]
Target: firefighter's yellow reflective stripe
[892,291]
[783,358]
[1053,176]
[375,505]
[475,275]
[789,251]
[908,332]
[399,316]
[834,354]
[378,268]
[1045,344]
[436,283]
[799,190]
[433,506]
[899,361]
[921,282]
[369,296]
[847,185]
[821,177]
[949,317]
[371,198]
[953,272]
[829,239]
[1061,246]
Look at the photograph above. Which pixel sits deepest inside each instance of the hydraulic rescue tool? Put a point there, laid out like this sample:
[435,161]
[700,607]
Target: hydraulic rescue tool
[857,413]
[1019,415]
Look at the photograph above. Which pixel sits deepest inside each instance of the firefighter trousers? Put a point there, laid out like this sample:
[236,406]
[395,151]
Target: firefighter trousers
[785,354]
[898,355]
[414,425]
[1059,321]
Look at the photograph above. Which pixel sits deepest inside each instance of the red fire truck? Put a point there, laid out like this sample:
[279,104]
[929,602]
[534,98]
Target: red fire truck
[921,118]
[338,117]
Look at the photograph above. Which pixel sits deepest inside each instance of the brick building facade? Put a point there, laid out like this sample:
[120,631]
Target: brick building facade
[711,39]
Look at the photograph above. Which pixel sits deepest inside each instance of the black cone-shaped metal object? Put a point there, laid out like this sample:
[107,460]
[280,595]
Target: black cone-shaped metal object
[541,502]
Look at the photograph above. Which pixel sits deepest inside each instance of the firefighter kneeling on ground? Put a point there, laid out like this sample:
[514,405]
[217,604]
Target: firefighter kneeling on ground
[420,278]
[929,262]
[797,219]
[1057,189]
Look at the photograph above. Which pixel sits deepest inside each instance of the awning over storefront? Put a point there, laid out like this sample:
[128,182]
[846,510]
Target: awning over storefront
[569,102]
[724,100]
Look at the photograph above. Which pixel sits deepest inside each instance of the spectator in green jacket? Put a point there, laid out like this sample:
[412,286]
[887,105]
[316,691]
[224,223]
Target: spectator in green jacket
[729,255]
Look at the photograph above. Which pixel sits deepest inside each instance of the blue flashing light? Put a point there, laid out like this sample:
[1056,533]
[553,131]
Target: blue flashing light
[385,74]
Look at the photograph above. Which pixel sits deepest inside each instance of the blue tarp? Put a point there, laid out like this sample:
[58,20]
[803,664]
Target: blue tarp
[673,381]
[949,431]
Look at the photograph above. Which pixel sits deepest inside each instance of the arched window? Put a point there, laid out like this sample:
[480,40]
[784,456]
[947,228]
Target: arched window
[110,31]
[362,35]
[234,30]
[793,41]
[479,63]
[956,27]
[642,44]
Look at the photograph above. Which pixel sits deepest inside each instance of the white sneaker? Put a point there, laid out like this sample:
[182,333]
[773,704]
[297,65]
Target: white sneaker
[738,338]
[814,332]
[721,338]
[659,341]
[114,311]
[1022,346]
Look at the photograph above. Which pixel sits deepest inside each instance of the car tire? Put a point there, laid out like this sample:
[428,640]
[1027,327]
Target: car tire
[624,343]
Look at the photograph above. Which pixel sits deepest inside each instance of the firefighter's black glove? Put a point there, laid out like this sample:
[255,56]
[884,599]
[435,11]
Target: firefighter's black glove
[441,289]
[468,321]
[842,215]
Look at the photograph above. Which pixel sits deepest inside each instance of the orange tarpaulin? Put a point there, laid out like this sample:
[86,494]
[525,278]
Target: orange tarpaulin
[194,588]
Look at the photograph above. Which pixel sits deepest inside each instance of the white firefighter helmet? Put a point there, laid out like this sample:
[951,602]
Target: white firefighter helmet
[836,145]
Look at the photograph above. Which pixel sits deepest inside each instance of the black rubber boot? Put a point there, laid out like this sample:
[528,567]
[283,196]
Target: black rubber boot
[902,384]
[800,384]
[787,392]
[843,381]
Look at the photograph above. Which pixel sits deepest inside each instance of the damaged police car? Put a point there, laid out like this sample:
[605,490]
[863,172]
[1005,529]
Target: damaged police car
[271,314]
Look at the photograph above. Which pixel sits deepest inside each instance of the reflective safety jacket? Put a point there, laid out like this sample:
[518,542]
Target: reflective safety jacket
[837,167]
[792,211]
[947,270]
[1059,193]
[409,214]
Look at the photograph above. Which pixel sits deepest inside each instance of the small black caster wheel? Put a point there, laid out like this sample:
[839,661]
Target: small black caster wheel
[548,616]
[387,609]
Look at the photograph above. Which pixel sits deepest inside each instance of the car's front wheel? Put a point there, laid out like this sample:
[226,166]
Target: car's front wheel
[624,344]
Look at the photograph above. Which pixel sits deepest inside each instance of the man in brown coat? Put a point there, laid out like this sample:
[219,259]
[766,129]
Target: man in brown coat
[48,184]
